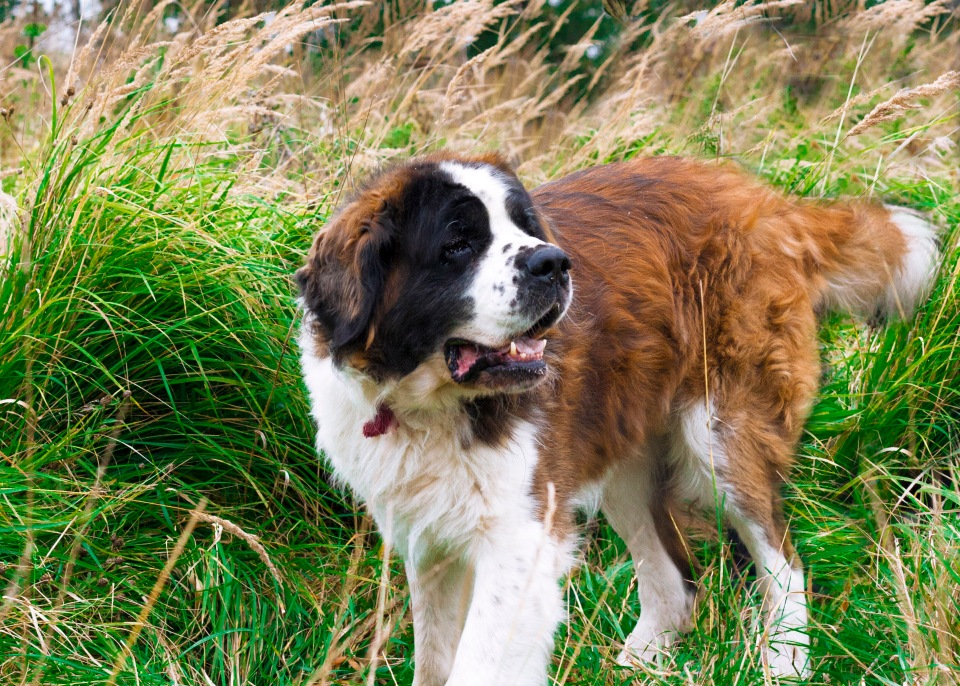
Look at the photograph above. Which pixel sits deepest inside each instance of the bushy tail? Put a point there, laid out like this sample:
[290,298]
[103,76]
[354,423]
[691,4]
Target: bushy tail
[875,260]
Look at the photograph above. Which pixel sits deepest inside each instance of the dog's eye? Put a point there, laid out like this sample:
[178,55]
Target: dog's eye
[457,248]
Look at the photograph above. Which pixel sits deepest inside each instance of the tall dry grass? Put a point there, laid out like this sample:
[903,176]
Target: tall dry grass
[715,75]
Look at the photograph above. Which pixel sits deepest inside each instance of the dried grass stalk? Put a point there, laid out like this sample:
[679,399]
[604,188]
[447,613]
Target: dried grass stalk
[459,22]
[150,21]
[729,16]
[82,62]
[456,89]
[8,221]
[855,101]
[896,17]
[905,100]
[250,540]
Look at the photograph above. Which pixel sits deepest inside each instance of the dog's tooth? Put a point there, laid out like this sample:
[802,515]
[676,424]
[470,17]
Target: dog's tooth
[513,348]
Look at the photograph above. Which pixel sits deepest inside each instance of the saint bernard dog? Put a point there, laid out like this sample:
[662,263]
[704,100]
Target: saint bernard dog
[483,362]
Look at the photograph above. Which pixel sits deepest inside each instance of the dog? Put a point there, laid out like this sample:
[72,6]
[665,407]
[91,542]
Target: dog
[483,362]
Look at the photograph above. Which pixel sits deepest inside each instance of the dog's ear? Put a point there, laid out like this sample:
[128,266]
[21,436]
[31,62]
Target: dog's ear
[344,276]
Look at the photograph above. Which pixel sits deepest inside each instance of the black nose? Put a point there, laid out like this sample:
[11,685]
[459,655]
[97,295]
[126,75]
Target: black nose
[548,263]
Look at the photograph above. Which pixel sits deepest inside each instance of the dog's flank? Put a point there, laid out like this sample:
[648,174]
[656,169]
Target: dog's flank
[681,372]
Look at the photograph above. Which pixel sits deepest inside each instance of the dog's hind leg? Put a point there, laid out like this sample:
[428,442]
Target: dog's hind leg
[753,506]
[780,578]
[634,504]
[738,462]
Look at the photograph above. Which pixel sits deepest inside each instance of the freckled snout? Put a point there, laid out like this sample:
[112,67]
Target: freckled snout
[543,285]
[549,264]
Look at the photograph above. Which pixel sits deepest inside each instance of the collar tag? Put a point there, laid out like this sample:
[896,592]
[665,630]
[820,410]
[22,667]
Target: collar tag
[381,424]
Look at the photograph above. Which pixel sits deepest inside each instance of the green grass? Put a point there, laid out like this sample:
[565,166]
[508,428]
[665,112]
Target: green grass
[148,363]
[153,279]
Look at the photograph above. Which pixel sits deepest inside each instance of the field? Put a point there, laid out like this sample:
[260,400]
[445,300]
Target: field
[164,518]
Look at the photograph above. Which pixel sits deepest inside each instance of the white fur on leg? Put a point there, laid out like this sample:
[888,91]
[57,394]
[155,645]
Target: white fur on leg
[439,596]
[660,623]
[517,604]
[666,602]
[784,604]
[788,642]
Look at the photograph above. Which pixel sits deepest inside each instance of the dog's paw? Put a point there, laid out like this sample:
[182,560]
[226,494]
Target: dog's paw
[644,647]
[788,662]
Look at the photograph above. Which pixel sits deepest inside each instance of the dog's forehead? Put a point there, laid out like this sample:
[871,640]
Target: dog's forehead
[484,181]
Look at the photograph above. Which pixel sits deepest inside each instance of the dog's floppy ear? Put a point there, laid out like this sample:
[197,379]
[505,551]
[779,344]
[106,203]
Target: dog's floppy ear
[343,278]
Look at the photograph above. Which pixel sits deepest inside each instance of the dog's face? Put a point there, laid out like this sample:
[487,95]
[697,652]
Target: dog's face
[443,267]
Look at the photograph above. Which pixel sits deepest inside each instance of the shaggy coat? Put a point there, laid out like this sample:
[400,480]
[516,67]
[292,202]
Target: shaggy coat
[678,304]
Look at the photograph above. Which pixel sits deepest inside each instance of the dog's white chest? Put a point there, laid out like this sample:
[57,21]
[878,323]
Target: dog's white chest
[423,483]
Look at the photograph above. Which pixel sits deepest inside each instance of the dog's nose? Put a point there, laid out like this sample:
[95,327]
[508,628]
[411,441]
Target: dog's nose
[548,263]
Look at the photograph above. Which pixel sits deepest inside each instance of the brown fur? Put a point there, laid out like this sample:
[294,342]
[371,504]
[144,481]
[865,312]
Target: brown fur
[338,259]
[671,259]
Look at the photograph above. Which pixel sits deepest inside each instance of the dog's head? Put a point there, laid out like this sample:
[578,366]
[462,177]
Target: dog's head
[442,267]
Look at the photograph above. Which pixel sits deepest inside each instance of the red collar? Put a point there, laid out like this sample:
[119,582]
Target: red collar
[381,424]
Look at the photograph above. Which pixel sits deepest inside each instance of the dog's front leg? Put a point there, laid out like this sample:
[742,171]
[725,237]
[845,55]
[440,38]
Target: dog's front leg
[516,606]
[439,596]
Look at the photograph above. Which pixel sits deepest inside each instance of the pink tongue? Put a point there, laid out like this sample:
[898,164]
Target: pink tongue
[468,356]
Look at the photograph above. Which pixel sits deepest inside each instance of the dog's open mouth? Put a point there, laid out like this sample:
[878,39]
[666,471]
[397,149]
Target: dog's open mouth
[518,361]
[518,364]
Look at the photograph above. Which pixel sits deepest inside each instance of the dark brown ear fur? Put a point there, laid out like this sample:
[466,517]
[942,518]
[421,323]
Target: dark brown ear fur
[345,272]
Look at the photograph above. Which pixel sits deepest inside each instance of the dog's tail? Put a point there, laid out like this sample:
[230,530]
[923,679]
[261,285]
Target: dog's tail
[871,260]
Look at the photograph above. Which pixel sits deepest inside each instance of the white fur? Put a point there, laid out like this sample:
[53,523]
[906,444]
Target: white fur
[440,596]
[453,509]
[784,602]
[912,281]
[589,498]
[494,291]
[666,601]
[701,464]
[698,457]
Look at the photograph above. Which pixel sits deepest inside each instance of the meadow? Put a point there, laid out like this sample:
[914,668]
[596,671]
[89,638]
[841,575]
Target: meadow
[164,517]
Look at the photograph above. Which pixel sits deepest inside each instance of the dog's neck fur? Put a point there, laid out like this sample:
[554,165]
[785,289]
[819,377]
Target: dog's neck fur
[429,398]
[440,473]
